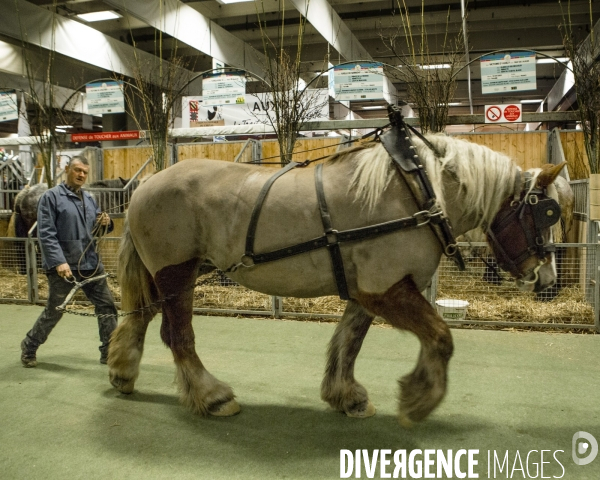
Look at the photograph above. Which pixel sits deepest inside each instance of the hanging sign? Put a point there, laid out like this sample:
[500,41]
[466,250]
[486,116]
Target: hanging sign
[223,88]
[509,113]
[508,72]
[360,81]
[8,106]
[103,136]
[104,97]
[256,108]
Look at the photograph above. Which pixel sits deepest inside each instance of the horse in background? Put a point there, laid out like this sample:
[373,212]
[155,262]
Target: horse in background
[105,193]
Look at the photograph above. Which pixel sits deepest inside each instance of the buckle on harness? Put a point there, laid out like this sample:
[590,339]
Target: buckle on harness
[332,237]
[423,217]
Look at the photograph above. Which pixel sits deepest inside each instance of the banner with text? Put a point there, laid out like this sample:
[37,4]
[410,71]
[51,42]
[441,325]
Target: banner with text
[508,72]
[223,88]
[104,97]
[256,108]
[8,106]
[361,81]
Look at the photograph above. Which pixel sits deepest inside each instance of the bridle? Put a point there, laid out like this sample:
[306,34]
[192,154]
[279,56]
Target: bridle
[517,232]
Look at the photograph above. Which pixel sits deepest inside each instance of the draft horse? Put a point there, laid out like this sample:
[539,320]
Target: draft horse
[199,211]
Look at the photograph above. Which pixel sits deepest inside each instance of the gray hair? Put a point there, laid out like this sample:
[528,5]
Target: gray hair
[78,158]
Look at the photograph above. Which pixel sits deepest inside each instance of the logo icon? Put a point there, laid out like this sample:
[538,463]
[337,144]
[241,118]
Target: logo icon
[586,445]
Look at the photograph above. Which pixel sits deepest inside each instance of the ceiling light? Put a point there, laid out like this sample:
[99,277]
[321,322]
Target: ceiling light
[64,126]
[435,66]
[552,60]
[373,107]
[227,2]
[99,16]
[535,100]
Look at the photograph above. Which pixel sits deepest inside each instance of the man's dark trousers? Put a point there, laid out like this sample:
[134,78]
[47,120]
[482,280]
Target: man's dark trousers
[97,292]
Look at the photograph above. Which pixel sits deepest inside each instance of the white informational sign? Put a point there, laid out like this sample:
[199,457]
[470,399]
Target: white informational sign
[8,106]
[224,88]
[508,72]
[104,97]
[360,81]
[255,109]
[509,113]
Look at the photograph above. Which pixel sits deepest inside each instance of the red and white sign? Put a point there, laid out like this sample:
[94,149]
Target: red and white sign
[510,113]
[103,136]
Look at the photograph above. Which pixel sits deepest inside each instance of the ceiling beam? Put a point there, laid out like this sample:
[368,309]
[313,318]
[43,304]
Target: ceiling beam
[38,26]
[328,23]
[196,30]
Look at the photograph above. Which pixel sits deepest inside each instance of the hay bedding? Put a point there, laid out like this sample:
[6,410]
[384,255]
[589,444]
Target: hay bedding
[487,302]
[506,303]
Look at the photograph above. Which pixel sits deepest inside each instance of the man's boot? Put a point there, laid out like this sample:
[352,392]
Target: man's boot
[28,358]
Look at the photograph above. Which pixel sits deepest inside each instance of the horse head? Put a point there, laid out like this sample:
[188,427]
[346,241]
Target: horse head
[521,235]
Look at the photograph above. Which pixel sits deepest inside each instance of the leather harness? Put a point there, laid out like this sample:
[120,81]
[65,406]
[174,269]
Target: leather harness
[398,145]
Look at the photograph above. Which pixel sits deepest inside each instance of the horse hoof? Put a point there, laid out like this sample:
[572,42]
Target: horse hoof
[404,421]
[121,384]
[227,409]
[366,412]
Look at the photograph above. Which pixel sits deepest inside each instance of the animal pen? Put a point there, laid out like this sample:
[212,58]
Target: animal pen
[573,304]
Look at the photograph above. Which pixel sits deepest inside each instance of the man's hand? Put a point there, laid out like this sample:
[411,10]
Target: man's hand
[103,219]
[64,271]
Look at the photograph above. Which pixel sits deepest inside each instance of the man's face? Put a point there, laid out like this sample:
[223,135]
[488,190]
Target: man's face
[77,174]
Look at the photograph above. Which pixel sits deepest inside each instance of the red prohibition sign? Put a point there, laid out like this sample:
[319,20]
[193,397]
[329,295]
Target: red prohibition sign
[493,114]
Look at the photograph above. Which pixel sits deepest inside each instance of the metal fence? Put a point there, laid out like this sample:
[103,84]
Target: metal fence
[573,303]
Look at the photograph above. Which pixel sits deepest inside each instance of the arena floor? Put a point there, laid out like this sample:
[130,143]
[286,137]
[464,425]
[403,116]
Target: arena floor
[509,392]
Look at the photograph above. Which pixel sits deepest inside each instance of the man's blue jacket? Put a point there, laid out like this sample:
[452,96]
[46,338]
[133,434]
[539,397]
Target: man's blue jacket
[65,224]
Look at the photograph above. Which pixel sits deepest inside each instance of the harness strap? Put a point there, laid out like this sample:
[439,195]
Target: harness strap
[397,143]
[251,235]
[331,235]
[417,220]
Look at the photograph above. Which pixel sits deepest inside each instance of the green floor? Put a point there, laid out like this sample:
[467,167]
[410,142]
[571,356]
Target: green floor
[508,392]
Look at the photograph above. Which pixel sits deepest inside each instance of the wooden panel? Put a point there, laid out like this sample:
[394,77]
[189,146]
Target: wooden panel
[575,154]
[226,151]
[305,149]
[125,162]
[528,150]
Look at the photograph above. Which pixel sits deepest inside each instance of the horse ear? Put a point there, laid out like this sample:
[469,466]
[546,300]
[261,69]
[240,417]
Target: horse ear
[123,181]
[549,173]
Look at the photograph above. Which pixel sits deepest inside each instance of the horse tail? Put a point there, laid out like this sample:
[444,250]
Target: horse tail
[138,290]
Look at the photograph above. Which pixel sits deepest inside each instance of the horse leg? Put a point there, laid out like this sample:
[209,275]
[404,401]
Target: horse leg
[199,390]
[339,388]
[405,308]
[126,349]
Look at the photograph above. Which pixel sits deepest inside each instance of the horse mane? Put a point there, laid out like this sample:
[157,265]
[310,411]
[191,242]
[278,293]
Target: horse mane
[485,177]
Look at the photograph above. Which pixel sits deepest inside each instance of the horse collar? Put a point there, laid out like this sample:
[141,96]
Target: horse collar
[398,145]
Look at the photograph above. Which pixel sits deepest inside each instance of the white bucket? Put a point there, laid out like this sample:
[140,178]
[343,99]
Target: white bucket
[452,309]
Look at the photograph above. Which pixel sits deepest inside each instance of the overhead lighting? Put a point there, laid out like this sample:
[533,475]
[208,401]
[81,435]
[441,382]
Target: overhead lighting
[60,130]
[552,60]
[99,16]
[373,107]
[435,66]
[64,126]
[535,100]
[227,2]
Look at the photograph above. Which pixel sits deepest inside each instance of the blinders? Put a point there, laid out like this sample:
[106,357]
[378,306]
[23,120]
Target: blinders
[517,232]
